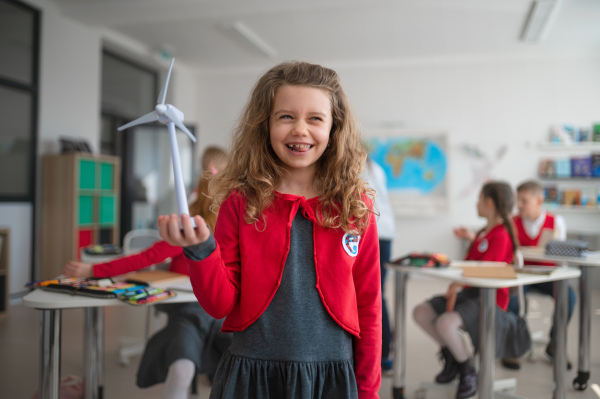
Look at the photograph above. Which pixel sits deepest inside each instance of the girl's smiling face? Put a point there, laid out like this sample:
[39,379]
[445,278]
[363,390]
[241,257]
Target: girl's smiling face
[299,126]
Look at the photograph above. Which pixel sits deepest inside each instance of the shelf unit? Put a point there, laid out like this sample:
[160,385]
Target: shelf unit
[4,269]
[574,184]
[582,146]
[80,206]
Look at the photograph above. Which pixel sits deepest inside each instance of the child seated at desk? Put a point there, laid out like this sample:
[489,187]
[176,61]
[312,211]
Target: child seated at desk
[442,317]
[530,223]
[191,343]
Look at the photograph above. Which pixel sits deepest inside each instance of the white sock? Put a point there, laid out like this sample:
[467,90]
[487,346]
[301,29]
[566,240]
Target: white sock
[178,379]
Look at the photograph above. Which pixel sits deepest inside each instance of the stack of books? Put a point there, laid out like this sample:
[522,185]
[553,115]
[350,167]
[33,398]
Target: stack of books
[584,197]
[574,167]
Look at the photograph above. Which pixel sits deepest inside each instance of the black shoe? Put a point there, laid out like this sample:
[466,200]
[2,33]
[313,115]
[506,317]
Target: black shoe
[450,370]
[467,383]
[511,363]
[550,353]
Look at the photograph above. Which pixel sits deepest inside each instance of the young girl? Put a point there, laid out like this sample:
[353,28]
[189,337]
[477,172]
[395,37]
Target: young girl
[294,262]
[191,342]
[442,317]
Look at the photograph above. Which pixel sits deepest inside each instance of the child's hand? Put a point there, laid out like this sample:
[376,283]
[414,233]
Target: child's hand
[168,227]
[464,233]
[76,268]
[451,296]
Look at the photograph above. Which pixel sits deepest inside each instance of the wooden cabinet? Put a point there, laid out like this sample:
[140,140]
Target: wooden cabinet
[80,207]
[4,268]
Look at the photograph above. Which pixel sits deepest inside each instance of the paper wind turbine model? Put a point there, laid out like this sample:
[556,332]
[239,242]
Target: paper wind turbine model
[171,116]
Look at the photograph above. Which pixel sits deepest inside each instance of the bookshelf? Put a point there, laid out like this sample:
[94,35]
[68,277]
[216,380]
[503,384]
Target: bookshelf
[571,176]
[579,147]
[80,206]
[4,269]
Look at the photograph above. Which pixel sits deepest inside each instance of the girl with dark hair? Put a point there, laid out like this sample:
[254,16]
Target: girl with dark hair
[294,262]
[442,317]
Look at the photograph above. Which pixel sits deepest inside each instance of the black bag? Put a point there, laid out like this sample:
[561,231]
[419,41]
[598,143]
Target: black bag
[574,248]
[513,338]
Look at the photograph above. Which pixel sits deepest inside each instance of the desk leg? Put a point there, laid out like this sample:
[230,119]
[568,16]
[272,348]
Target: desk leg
[585,309]
[400,336]
[487,343]
[50,323]
[560,340]
[93,352]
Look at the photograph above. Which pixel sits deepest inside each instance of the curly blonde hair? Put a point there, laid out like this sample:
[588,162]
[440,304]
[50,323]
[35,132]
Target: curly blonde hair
[255,170]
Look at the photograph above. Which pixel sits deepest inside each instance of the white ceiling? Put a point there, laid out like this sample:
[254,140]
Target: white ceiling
[337,31]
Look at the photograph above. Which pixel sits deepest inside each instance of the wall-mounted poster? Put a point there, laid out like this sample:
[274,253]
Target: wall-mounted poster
[416,167]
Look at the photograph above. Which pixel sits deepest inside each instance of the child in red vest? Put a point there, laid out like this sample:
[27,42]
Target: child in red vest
[530,223]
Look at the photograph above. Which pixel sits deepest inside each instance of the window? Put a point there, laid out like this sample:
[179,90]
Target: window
[19,48]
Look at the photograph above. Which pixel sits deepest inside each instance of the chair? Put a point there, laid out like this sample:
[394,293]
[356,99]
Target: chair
[133,242]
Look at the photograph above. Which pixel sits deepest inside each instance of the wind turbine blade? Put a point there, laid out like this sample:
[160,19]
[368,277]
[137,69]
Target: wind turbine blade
[173,117]
[151,117]
[163,92]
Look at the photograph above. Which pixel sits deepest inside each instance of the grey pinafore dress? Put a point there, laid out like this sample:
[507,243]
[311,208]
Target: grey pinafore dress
[294,349]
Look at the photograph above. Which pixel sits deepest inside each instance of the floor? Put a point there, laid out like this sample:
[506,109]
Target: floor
[19,351]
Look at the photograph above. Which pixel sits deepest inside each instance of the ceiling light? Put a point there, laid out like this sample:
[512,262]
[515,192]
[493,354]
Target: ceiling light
[252,39]
[541,15]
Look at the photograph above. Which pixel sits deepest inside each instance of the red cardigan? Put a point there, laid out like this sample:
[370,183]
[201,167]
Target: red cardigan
[494,246]
[157,253]
[239,279]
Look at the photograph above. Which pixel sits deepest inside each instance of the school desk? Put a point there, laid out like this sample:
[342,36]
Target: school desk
[585,307]
[487,343]
[50,305]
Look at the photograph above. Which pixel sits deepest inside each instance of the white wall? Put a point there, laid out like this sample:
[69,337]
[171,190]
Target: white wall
[69,105]
[485,103]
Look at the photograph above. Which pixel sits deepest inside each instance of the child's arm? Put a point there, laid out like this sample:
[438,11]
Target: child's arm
[464,233]
[367,281]
[157,253]
[215,274]
[79,269]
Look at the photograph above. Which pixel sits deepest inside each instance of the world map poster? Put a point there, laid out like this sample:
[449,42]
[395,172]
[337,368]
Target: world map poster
[416,167]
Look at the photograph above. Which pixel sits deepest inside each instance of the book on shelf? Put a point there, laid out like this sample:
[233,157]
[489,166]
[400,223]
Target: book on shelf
[596,132]
[571,197]
[595,164]
[547,168]
[588,197]
[563,167]
[551,195]
[581,166]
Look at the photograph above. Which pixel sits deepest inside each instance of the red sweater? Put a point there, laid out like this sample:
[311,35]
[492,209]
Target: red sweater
[239,279]
[494,246]
[157,253]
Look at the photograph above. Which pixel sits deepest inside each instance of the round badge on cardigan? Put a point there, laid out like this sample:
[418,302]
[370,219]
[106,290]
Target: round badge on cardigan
[350,244]
[483,245]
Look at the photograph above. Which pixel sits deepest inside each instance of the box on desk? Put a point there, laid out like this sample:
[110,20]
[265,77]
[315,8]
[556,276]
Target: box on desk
[162,279]
[485,271]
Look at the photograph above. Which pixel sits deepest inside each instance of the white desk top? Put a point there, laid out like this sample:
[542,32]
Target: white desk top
[46,300]
[537,254]
[455,274]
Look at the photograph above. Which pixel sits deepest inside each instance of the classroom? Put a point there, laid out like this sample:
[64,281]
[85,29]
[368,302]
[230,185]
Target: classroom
[445,96]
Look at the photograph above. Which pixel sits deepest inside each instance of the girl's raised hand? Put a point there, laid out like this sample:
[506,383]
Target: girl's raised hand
[464,233]
[171,232]
[76,268]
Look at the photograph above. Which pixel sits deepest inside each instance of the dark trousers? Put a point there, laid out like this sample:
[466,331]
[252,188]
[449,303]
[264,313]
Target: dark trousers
[548,289]
[385,247]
